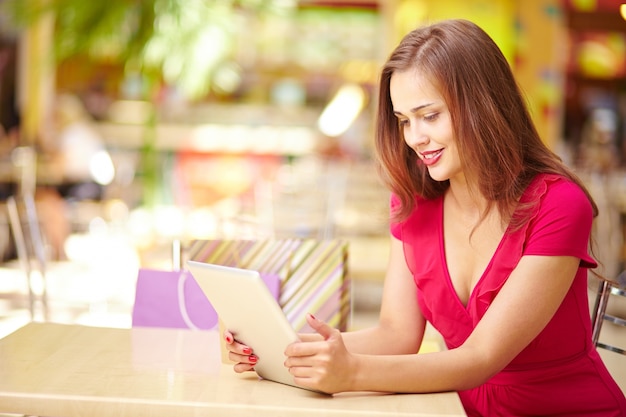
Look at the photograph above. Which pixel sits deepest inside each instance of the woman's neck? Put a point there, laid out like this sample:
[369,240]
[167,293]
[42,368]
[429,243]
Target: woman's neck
[466,198]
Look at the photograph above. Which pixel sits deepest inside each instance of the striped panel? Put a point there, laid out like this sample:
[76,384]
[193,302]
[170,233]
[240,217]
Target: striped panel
[317,275]
[314,273]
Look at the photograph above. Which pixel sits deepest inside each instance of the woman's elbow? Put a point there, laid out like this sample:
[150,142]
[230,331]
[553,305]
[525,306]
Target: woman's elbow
[480,368]
[401,342]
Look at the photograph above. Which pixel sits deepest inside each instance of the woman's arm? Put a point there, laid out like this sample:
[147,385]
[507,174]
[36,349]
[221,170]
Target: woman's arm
[523,307]
[399,331]
[400,328]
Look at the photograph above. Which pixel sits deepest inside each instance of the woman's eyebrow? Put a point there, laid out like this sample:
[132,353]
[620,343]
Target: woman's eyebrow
[414,109]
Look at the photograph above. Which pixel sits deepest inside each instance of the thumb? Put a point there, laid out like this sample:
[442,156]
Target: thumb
[320,327]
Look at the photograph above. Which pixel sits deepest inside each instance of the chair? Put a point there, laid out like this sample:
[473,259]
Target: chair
[29,244]
[607,290]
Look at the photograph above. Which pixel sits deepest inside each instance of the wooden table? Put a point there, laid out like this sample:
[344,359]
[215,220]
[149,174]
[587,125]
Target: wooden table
[65,370]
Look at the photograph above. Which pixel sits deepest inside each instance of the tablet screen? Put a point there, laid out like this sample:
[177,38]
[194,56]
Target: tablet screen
[247,308]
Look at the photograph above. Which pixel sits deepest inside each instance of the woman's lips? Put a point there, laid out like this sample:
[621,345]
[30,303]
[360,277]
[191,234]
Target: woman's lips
[431,157]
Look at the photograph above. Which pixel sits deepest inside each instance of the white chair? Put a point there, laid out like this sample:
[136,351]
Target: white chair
[607,290]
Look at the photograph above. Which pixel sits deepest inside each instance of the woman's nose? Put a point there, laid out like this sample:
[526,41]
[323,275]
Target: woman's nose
[415,137]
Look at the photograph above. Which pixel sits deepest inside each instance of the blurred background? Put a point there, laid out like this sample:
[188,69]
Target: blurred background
[135,124]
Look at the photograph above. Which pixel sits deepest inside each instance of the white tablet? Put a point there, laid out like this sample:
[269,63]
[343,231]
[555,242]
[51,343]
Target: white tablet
[247,308]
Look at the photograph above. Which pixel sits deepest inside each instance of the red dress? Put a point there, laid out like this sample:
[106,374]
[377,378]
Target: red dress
[559,372]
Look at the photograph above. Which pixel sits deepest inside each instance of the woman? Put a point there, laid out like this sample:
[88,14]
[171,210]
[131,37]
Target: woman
[490,236]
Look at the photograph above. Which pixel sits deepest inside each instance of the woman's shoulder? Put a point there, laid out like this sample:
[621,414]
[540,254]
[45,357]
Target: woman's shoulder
[426,215]
[560,195]
[561,221]
[556,188]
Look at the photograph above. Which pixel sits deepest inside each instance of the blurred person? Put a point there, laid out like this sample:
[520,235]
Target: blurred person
[83,160]
[97,101]
[599,167]
[9,115]
[77,154]
[599,149]
[9,135]
[491,244]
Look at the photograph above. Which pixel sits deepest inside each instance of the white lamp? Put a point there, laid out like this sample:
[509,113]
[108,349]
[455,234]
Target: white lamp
[342,110]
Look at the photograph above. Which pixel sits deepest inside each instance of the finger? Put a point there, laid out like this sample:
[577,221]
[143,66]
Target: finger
[306,377]
[320,327]
[234,346]
[240,349]
[301,371]
[242,358]
[228,337]
[310,337]
[302,349]
[310,345]
[299,362]
[243,367]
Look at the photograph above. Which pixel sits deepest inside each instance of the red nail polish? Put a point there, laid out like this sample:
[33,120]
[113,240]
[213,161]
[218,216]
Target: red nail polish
[247,351]
[253,359]
[229,340]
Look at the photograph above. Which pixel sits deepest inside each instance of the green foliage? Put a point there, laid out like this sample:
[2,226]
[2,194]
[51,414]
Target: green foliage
[180,41]
[184,41]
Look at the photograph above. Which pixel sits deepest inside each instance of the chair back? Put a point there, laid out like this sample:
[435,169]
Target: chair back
[607,290]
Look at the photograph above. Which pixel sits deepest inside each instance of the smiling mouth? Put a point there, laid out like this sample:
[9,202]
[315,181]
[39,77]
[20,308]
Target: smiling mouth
[432,155]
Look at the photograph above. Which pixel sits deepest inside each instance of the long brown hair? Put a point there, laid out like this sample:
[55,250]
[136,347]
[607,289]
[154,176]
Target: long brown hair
[500,148]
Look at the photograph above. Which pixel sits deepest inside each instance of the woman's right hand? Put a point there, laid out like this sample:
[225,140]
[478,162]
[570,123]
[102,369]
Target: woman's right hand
[242,355]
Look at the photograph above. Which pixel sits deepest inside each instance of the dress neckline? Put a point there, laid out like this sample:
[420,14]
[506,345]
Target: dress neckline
[444,259]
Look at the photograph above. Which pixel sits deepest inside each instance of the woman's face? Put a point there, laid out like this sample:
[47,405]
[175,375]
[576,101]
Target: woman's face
[425,122]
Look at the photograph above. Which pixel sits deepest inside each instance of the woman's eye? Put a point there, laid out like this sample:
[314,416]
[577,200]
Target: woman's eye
[402,122]
[431,117]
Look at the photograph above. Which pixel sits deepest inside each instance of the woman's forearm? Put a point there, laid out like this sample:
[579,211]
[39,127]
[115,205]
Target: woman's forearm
[381,340]
[413,373]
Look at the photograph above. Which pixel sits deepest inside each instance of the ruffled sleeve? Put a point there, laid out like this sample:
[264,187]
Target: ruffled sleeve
[562,225]
[395,228]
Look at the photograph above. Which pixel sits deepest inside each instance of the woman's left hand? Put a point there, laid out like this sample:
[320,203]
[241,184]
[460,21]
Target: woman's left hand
[324,365]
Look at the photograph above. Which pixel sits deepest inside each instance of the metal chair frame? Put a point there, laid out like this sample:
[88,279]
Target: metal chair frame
[29,245]
[607,289]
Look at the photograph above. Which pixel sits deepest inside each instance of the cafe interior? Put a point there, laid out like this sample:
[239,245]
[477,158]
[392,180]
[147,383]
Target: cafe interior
[141,134]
